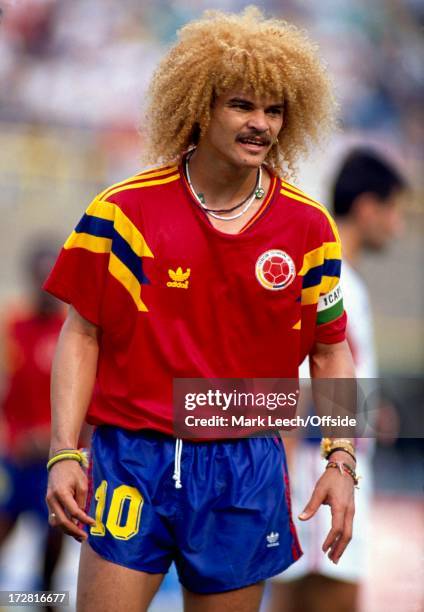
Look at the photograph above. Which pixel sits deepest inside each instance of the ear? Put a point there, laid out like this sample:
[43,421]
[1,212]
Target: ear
[365,206]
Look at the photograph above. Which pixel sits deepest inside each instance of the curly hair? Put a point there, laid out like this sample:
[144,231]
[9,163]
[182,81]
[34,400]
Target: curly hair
[221,51]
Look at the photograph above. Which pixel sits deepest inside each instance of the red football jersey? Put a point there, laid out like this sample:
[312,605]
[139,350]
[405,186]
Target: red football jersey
[175,297]
[30,341]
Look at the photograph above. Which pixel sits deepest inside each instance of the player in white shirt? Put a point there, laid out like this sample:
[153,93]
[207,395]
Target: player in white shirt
[367,197]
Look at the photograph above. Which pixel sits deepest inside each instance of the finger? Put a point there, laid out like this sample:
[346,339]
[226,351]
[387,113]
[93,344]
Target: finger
[73,510]
[337,523]
[81,494]
[58,518]
[341,544]
[313,504]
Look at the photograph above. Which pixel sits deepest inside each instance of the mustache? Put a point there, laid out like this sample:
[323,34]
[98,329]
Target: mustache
[263,138]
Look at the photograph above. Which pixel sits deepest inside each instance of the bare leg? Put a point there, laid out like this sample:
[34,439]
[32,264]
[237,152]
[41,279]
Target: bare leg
[314,593]
[247,599]
[107,587]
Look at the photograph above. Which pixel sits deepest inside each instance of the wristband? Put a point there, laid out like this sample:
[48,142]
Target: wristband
[72,454]
[340,448]
[327,446]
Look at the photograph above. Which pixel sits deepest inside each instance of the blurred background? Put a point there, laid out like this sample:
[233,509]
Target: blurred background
[73,76]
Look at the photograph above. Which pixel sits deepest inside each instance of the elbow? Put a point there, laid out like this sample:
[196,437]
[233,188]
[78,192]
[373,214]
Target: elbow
[332,361]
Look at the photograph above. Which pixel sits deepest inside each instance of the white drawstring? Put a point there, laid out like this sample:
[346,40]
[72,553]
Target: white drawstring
[177,463]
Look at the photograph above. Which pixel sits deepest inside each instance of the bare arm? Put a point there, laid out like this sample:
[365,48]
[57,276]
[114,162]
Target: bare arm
[332,361]
[329,362]
[73,376]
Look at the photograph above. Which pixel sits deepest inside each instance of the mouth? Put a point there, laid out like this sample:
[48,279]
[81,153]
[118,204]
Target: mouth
[253,144]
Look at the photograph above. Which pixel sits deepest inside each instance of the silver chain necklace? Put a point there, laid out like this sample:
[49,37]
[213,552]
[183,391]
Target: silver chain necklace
[258,193]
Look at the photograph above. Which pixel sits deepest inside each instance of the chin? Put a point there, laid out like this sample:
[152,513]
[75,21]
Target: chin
[251,161]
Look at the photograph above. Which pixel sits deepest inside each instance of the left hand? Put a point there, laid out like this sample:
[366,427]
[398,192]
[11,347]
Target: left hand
[337,491]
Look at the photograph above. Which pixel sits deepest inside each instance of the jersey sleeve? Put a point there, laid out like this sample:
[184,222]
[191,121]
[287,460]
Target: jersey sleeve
[322,299]
[80,272]
[331,316]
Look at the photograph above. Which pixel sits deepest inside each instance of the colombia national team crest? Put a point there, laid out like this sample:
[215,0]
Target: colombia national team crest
[275,270]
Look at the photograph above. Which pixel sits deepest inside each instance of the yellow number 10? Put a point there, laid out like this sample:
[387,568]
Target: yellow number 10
[121,494]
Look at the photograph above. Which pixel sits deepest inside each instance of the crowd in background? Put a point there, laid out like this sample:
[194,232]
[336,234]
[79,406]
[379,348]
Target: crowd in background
[73,74]
[63,59]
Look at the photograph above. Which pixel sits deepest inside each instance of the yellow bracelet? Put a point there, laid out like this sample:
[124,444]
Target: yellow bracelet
[327,445]
[342,442]
[70,454]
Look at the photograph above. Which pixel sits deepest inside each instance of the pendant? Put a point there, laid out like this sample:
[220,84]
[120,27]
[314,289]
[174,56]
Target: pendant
[259,193]
[201,198]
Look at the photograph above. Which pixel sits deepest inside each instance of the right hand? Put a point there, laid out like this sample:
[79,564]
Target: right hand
[66,495]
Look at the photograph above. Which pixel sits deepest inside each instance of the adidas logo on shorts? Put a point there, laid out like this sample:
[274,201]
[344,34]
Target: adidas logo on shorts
[272,539]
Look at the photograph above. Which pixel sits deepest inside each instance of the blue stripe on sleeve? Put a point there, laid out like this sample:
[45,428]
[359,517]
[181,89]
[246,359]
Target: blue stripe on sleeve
[331,267]
[124,252]
[95,226]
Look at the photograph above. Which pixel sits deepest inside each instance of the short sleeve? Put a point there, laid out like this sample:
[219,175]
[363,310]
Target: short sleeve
[331,317]
[80,272]
[323,315]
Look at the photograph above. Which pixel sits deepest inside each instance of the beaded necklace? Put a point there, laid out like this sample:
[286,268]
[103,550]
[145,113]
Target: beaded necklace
[257,193]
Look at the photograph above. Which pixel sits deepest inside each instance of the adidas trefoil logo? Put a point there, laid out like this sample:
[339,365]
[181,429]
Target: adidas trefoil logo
[178,278]
[272,539]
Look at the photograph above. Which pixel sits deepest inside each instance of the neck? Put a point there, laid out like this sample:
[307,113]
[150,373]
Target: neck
[351,242]
[222,183]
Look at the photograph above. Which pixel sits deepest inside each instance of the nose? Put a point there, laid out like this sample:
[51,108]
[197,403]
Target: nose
[258,121]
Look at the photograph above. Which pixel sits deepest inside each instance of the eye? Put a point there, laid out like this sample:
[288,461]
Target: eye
[245,106]
[275,111]
[240,105]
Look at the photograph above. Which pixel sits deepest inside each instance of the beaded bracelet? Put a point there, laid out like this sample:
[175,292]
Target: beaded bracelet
[69,453]
[344,468]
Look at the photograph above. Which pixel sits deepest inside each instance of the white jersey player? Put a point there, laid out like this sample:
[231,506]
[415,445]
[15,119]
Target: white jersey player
[367,195]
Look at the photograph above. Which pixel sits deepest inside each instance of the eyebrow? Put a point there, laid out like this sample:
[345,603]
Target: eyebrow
[244,100]
[279,105]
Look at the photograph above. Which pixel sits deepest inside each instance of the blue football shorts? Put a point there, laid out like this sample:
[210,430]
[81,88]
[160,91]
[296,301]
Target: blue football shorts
[219,510]
[23,488]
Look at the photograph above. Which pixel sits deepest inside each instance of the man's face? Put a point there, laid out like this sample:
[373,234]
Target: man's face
[382,221]
[243,128]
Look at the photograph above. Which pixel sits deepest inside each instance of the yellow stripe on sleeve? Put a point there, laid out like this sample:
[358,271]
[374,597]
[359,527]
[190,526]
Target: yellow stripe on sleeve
[328,283]
[316,257]
[312,259]
[311,295]
[126,228]
[101,209]
[95,244]
[122,224]
[332,250]
[127,279]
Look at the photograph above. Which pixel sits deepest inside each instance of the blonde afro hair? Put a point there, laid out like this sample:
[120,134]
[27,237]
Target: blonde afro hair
[222,51]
